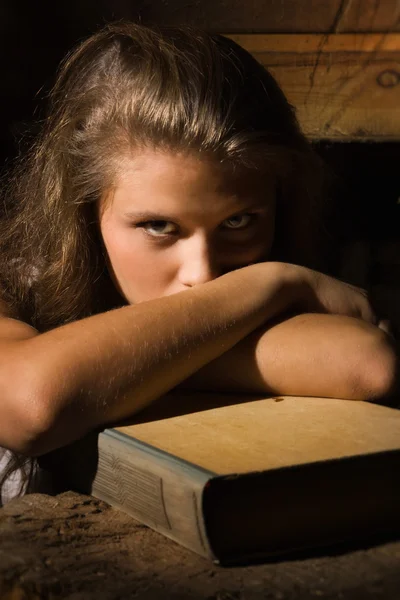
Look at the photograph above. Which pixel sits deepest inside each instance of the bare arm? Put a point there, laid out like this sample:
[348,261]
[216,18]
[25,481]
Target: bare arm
[307,355]
[58,385]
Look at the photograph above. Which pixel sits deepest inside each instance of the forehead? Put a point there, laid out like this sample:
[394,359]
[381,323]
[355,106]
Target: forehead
[156,179]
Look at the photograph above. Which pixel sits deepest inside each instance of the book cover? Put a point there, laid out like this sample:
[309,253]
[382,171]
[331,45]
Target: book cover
[240,479]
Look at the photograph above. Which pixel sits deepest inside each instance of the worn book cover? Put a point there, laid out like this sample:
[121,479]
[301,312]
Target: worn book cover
[238,479]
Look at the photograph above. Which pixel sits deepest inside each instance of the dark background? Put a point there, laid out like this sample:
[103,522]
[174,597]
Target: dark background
[34,37]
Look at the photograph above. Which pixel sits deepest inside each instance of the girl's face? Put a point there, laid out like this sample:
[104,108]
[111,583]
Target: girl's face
[174,221]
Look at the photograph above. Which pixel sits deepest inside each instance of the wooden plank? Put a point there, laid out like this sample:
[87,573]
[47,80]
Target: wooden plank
[369,15]
[277,16]
[344,86]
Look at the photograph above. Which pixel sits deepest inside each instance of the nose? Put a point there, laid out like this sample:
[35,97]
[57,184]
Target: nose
[199,263]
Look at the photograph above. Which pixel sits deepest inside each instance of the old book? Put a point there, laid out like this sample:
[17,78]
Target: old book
[240,479]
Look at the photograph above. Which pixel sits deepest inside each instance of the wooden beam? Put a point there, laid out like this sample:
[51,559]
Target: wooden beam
[260,16]
[343,86]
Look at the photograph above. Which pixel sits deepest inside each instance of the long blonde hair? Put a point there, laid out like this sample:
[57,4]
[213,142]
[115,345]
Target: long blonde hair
[125,87]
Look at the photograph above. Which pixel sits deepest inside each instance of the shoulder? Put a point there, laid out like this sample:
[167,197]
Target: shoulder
[11,326]
[16,280]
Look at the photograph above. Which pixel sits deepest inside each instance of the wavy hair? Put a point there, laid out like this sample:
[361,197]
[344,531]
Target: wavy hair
[126,87]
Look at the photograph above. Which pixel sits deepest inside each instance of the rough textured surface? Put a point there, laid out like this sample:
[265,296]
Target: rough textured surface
[76,547]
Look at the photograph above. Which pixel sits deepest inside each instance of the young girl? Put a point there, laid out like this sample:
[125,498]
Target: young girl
[166,230]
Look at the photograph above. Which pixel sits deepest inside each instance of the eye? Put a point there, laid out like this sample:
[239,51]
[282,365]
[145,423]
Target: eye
[157,228]
[239,221]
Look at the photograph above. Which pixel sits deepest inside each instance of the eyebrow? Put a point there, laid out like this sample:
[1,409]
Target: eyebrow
[155,216]
[150,216]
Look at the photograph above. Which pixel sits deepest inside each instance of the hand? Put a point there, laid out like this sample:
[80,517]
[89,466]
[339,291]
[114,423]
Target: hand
[325,294]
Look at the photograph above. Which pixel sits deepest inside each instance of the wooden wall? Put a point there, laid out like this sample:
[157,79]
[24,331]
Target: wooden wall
[267,16]
[344,86]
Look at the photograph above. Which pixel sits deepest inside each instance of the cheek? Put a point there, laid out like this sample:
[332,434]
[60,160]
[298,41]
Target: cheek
[255,249]
[141,271]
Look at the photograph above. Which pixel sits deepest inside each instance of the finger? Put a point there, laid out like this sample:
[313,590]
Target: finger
[385,325]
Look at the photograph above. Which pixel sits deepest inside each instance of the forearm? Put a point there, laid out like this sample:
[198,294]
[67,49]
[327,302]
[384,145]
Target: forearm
[306,355]
[105,368]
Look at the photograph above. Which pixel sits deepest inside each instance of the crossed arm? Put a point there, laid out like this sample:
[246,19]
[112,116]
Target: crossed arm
[223,335]
[322,355]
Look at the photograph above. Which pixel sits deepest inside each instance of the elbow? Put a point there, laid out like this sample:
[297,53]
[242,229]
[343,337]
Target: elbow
[377,379]
[28,425]
[27,415]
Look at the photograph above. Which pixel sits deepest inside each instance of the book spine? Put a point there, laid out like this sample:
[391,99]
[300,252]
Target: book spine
[154,487]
